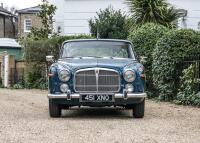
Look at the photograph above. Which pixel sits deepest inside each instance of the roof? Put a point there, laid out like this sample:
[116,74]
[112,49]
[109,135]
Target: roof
[4,11]
[30,10]
[8,42]
[110,40]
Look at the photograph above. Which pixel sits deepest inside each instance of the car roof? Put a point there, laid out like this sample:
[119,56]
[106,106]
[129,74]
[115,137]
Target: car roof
[110,40]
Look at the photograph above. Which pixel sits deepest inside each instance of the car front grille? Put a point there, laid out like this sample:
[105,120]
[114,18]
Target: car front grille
[97,80]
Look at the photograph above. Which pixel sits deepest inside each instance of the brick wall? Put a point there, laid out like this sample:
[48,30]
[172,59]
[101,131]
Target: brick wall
[35,21]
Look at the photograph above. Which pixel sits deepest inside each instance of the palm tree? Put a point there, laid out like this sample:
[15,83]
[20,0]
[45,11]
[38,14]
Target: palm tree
[156,11]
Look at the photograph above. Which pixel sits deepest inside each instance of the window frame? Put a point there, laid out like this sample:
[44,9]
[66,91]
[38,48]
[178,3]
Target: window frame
[25,25]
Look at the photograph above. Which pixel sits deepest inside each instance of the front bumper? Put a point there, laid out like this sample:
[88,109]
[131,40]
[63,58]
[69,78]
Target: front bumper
[116,96]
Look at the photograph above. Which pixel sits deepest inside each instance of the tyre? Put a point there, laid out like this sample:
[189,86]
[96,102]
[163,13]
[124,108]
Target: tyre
[138,110]
[54,109]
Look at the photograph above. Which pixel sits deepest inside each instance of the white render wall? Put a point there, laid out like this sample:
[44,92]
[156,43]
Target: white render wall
[193,8]
[73,15]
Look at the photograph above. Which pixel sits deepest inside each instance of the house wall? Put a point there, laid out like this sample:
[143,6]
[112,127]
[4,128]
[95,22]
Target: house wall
[10,27]
[13,51]
[193,8]
[1,26]
[73,15]
[36,22]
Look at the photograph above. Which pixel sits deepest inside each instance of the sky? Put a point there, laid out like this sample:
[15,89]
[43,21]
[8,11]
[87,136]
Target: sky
[20,4]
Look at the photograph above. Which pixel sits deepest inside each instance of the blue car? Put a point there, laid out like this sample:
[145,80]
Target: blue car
[96,73]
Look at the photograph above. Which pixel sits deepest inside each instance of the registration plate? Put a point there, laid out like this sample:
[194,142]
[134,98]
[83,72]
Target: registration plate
[97,98]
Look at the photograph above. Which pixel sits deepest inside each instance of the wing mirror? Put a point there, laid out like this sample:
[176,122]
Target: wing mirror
[50,59]
[143,59]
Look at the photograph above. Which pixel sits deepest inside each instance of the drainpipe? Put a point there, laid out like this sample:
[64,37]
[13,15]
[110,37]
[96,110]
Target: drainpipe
[4,26]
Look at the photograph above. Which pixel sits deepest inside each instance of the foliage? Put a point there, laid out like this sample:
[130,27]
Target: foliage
[144,40]
[188,92]
[172,47]
[19,85]
[156,11]
[46,15]
[36,51]
[35,57]
[110,24]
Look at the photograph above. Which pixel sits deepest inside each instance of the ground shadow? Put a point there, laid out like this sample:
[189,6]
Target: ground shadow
[97,113]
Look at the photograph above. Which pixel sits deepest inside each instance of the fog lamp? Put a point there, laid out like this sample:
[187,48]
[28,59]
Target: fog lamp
[64,88]
[129,88]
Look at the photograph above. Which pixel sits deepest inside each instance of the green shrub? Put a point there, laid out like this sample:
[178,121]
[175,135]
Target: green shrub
[19,85]
[144,40]
[36,51]
[110,24]
[35,57]
[172,47]
[188,92]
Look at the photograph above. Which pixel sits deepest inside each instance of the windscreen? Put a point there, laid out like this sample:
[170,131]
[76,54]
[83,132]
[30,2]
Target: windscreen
[97,49]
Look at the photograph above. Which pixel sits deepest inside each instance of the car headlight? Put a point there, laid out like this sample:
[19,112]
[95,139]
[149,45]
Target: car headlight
[64,88]
[129,75]
[64,75]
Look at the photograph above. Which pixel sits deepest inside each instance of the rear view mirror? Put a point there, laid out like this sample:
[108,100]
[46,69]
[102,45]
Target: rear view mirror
[143,59]
[50,58]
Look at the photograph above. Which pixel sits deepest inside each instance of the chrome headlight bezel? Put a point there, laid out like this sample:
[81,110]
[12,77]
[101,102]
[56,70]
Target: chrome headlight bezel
[129,75]
[64,75]
[64,88]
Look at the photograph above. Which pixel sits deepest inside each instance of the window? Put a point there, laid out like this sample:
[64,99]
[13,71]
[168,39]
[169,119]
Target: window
[97,49]
[27,25]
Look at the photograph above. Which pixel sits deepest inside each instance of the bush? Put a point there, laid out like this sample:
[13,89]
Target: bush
[172,47]
[188,92]
[110,24]
[144,40]
[35,57]
[19,85]
[36,51]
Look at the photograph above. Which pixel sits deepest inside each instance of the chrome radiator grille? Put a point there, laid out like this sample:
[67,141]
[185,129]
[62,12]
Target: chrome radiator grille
[97,80]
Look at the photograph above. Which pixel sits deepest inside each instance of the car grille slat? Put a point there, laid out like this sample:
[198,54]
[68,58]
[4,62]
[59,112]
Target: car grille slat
[97,80]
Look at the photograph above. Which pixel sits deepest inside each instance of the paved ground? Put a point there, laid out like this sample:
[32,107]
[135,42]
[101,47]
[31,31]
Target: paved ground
[24,119]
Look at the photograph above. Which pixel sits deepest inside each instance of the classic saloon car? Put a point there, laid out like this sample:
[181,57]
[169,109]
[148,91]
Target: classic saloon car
[96,73]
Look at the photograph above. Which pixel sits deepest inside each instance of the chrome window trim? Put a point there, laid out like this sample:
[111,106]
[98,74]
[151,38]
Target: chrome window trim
[90,69]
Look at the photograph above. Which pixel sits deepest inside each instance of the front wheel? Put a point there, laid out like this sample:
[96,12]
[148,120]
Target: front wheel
[54,109]
[138,110]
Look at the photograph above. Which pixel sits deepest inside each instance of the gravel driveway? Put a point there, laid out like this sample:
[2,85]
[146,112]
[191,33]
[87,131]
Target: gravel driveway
[24,119]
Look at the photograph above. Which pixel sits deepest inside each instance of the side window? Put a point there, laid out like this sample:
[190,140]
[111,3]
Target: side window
[27,25]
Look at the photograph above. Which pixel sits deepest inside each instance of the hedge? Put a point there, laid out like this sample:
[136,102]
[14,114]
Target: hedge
[172,47]
[144,40]
[35,53]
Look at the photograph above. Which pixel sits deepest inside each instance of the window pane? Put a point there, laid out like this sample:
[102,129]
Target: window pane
[28,25]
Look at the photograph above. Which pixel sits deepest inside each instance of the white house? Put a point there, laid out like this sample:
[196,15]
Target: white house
[72,15]
[192,20]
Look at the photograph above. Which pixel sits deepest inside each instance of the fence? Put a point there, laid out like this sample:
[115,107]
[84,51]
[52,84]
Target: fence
[16,76]
[185,62]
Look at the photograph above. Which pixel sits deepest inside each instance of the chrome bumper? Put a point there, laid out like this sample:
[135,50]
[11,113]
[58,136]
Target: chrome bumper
[77,96]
